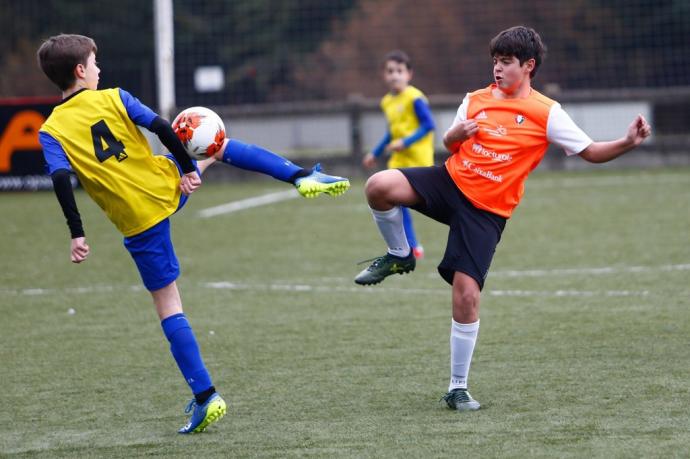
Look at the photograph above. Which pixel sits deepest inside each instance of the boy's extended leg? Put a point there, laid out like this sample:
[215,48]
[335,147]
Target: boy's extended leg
[309,182]
[386,191]
[207,406]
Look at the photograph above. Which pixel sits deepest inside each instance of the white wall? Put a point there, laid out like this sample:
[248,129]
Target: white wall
[328,134]
[607,120]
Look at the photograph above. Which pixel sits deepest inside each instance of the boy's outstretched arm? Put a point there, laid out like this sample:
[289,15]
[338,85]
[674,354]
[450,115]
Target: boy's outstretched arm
[601,152]
[62,185]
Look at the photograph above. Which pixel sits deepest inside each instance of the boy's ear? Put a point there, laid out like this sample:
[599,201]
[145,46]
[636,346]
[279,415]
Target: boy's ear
[80,71]
[529,65]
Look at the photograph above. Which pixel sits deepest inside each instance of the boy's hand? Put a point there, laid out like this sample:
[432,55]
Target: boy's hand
[395,145]
[79,250]
[190,182]
[369,161]
[639,130]
[459,133]
[466,129]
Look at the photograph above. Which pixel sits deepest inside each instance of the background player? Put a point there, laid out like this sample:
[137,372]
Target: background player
[409,139]
[499,135]
[94,134]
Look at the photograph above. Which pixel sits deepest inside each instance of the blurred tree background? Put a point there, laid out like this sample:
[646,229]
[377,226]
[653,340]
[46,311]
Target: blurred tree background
[295,50]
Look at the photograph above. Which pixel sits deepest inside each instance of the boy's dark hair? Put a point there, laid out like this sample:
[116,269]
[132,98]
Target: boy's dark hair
[59,55]
[400,57]
[521,42]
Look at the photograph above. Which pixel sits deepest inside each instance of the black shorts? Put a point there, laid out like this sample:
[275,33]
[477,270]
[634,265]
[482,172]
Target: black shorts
[474,233]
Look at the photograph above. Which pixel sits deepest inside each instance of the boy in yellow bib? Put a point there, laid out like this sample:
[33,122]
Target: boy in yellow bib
[95,135]
[409,139]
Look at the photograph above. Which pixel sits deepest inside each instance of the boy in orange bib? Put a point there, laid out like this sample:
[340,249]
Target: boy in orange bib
[499,135]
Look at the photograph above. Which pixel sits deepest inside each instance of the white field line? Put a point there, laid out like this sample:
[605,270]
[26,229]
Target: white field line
[307,288]
[71,290]
[248,203]
[320,288]
[575,271]
[409,291]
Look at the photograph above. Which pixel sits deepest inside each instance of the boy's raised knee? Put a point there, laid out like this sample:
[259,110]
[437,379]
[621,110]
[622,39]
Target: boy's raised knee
[376,190]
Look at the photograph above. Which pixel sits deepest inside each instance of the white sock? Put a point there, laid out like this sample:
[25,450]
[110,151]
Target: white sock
[462,340]
[390,223]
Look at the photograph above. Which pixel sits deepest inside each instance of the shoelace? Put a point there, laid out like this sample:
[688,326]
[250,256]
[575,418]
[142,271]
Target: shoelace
[456,395]
[314,170]
[376,261]
[190,406]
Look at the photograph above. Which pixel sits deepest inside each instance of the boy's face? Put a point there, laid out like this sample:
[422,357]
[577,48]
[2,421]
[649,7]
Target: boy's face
[90,72]
[509,75]
[396,75]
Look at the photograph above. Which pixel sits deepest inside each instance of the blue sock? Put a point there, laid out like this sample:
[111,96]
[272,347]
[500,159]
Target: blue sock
[186,352]
[409,229]
[257,159]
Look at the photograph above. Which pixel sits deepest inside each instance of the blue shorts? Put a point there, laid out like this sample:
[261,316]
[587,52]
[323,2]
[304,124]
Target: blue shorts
[154,255]
[153,251]
[474,233]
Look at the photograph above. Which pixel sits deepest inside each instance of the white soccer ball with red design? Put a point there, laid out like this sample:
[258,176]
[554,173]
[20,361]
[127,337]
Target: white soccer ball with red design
[201,131]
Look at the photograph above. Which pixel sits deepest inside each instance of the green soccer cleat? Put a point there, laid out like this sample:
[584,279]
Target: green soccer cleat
[204,415]
[461,400]
[384,266]
[317,182]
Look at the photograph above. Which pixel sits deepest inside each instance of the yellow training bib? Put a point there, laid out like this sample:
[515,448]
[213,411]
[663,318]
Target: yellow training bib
[403,122]
[113,160]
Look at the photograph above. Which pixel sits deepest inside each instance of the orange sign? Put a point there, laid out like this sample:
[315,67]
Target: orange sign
[22,166]
[21,133]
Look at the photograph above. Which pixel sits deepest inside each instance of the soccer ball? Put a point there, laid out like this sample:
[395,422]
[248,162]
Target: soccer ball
[201,131]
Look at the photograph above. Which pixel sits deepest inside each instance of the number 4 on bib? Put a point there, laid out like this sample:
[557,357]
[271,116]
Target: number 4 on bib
[101,134]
